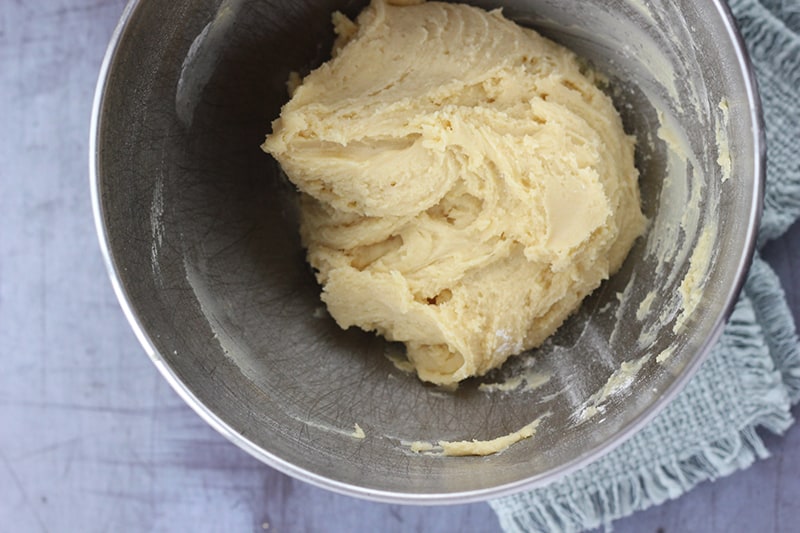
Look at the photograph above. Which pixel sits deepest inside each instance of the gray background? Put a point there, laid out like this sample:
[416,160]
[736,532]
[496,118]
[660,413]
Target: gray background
[93,439]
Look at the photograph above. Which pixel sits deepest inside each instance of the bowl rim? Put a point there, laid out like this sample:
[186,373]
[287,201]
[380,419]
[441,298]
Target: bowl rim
[182,389]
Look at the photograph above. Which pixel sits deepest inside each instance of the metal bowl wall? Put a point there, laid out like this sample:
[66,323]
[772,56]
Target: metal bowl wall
[201,241]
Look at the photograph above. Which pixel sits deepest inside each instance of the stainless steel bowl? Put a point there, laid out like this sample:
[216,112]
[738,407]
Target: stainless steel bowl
[203,251]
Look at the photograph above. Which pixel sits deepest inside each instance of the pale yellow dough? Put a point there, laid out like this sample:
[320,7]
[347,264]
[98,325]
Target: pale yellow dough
[476,447]
[464,182]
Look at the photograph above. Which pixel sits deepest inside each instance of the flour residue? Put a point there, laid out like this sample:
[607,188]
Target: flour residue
[201,60]
[358,433]
[618,382]
[685,210]
[157,227]
[507,343]
[666,238]
[665,355]
[474,447]
[355,431]
[644,306]
[723,147]
[691,289]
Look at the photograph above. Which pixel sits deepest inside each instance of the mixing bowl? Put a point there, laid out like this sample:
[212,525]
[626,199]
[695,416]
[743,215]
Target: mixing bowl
[199,232]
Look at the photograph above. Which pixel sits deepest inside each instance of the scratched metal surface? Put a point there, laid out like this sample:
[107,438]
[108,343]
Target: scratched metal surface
[93,439]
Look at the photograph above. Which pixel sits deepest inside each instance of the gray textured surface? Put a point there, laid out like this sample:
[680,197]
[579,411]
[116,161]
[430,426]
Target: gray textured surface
[93,439]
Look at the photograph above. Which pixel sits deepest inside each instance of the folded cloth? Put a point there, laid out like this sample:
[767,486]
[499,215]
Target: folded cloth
[752,377]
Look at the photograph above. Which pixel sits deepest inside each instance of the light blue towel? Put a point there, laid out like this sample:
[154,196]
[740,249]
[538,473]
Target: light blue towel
[752,377]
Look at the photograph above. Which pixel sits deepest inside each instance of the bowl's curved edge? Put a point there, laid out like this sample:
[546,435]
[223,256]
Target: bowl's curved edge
[248,446]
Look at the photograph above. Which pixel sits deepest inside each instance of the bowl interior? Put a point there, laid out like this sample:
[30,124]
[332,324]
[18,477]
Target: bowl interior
[202,239]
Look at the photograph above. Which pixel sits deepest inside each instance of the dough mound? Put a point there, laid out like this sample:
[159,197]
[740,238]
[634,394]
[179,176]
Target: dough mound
[464,183]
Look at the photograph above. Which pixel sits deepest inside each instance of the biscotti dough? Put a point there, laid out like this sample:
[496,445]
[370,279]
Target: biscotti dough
[464,182]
